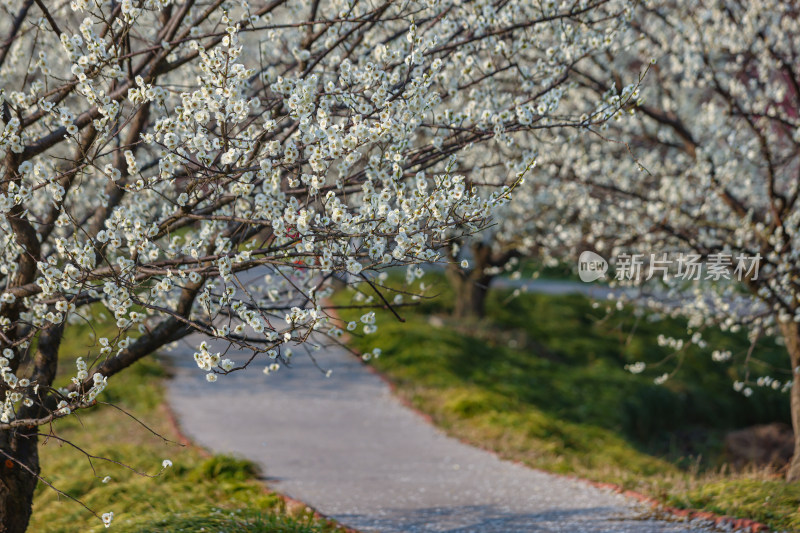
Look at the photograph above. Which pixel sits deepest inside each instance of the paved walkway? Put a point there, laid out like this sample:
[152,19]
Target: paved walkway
[347,447]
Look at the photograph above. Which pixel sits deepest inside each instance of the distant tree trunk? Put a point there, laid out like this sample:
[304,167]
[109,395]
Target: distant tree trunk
[791,334]
[471,285]
[17,483]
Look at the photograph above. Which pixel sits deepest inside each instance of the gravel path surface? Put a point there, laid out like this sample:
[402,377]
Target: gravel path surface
[347,447]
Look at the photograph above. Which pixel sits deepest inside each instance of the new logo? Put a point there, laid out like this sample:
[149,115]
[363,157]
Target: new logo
[591,266]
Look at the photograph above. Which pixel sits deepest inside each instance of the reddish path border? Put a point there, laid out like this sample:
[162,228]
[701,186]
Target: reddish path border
[738,524]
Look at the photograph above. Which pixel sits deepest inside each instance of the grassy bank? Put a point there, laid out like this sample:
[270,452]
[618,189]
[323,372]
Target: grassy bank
[198,493]
[542,381]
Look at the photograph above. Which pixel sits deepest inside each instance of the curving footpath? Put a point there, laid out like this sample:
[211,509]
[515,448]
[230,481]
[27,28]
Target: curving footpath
[345,446]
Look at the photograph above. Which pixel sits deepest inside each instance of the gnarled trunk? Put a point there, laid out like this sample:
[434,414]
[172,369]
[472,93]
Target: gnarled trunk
[791,334]
[19,466]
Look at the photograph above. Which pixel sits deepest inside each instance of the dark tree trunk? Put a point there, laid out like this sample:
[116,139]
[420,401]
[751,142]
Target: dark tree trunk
[471,286]
[19,455]
[19,458]
[791,334]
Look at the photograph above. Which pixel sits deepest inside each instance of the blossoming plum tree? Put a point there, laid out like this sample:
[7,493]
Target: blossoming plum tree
[153,151]
[708,166]
[525,227]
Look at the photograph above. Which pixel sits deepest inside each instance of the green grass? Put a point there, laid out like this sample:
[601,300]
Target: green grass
[543,382]
[534,268]
[199,493]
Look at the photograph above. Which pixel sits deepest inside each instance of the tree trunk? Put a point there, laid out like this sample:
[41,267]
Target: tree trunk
[471,286]
[470,297]
[19,453]
[791,334]
[17,483]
